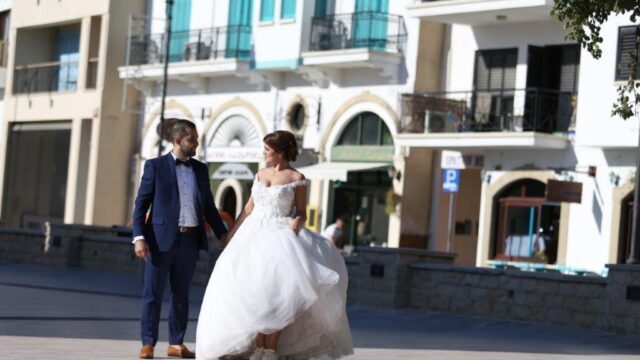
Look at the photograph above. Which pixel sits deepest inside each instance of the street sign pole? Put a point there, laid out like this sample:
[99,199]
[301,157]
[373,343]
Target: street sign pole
[450,184]
[450,223]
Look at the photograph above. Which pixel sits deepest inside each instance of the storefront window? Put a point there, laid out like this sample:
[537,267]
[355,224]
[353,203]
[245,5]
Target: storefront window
[526,225]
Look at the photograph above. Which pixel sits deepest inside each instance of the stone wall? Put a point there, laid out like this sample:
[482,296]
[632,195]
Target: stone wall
[382,276]
[592,302]
[386,277]
[92,247]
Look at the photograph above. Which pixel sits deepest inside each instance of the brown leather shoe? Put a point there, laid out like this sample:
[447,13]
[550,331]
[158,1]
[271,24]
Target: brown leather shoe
[183,352]
[146,352]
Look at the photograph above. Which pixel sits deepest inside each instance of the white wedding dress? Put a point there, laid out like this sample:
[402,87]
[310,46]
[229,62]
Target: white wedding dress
[268,279]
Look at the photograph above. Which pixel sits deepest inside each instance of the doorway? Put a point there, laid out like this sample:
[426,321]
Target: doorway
[552,87]
[36,174]
[526,225]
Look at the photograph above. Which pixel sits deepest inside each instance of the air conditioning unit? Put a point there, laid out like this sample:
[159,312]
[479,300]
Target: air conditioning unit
[194,52]
[438,122]
[331,41]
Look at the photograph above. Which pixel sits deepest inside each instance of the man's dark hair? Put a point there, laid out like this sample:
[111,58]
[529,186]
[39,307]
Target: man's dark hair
[179,128]
[342,218]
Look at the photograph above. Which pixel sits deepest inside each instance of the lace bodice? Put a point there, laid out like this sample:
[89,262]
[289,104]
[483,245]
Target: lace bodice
[273,202]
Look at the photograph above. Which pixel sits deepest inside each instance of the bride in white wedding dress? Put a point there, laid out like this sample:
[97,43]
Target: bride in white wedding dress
[278,291]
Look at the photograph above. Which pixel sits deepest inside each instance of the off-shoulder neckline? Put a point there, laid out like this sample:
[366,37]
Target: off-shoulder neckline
[293,183]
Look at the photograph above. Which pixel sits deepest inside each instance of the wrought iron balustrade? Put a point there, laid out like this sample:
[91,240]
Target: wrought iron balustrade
[232,41]
[373,30]
[516,110]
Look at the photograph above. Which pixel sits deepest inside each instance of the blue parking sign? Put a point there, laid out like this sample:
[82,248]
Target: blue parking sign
[450,180]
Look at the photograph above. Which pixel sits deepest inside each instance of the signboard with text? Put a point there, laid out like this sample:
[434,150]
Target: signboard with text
[457,160]
[564,191]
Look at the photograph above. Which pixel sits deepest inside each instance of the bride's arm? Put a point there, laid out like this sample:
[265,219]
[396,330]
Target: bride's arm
[248,208]
[300,200]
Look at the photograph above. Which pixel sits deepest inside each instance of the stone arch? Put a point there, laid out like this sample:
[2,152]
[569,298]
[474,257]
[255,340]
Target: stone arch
[230,185]
[239,106]
[365,102]
[492,190]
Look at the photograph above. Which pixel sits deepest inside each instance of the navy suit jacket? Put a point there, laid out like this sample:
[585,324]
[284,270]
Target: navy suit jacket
[159,190]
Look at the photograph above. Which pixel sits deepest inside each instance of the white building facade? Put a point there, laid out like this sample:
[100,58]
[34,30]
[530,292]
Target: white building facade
[525,108]
[332,72]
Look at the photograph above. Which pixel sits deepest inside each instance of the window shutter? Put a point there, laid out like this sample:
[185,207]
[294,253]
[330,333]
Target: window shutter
[627,46]
[267,8]
[288,10]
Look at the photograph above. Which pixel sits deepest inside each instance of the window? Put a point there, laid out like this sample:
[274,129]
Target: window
[288,9]
[297,117]
[321,8]
[366,129]
[627,51]
[526,226]
[267,8]
[496,69]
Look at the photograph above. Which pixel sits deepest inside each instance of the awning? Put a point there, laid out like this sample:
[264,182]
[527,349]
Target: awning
[338,170]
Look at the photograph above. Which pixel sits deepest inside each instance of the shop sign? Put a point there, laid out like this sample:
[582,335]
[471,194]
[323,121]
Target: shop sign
[234,154]
[564,191]
[457,160]
[233,171]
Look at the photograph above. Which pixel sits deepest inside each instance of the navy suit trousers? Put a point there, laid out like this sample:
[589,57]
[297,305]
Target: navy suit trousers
[178,265]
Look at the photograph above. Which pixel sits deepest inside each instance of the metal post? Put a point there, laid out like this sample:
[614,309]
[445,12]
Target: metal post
[634,257]
[450,223]
[169,8]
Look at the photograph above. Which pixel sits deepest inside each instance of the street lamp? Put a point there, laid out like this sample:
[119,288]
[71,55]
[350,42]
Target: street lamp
[169,10]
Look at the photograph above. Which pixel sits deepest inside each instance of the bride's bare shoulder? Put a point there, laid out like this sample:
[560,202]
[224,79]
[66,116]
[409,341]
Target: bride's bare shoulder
[296,175]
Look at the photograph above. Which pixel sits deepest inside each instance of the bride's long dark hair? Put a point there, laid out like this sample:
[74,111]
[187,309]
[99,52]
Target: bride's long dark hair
[283,142]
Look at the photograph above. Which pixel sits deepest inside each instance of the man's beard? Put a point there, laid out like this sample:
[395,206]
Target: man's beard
[189,151]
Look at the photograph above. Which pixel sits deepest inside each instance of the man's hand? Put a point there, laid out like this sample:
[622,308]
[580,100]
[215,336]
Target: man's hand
[142,249]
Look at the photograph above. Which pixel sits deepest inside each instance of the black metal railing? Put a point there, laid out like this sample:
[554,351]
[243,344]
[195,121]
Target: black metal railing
[373,30]
[45,77]
[531,109]
[213,43]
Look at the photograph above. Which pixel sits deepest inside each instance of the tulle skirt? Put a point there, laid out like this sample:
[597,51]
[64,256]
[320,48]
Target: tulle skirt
[270,279]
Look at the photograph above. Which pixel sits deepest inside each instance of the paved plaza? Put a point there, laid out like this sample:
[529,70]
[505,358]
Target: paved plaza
[52,313]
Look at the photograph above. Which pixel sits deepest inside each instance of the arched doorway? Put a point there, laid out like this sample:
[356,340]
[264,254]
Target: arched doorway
[626,221]
[233,148]
[229,200]
[526,226]
[364,197]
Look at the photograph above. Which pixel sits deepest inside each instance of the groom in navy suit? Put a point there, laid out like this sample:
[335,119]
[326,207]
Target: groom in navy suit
[176,188]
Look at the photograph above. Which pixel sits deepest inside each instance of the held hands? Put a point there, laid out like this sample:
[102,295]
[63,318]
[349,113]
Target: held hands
[295,224]
[142,249]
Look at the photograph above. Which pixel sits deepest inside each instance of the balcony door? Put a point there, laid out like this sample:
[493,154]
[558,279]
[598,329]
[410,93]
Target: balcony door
[67,52]
[552,86]
[370,24]
[494,90]
[239,29]
[180,22]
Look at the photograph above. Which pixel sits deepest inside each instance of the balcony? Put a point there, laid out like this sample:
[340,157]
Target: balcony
[194,55]
[45,77]
[507,118]
[358,40]
[482,12]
